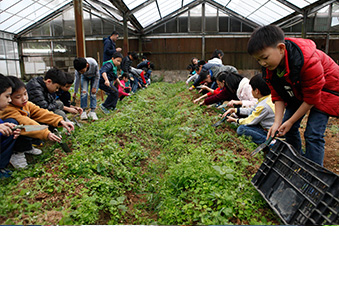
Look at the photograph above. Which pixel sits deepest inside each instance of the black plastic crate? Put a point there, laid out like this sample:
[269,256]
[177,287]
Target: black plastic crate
[300,191]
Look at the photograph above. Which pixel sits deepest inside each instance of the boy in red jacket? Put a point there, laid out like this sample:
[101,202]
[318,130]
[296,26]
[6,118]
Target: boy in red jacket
[302,78]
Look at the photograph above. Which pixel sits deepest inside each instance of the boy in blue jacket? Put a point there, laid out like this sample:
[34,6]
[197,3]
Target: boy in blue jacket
[108,76]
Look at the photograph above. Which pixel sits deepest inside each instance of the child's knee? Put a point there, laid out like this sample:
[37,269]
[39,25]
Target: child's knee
[241,130]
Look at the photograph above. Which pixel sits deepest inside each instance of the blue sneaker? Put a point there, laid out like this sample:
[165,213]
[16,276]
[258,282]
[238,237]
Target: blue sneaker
[103,109]
[5,173]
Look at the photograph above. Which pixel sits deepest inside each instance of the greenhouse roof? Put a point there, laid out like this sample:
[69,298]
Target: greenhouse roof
[143,15]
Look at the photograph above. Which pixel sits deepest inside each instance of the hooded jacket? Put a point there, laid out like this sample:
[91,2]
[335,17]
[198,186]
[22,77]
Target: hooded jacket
[311,76]
[109,48]
[31,114]
[39,94]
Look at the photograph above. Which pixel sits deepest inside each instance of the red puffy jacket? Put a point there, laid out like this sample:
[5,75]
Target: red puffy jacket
[312,75]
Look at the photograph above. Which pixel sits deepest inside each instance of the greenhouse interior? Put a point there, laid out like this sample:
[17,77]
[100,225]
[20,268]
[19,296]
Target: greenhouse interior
[38,35]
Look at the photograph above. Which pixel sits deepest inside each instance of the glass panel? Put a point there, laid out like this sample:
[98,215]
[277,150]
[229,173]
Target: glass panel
[223,23]
[3,67]
[2,49]
[10,52]
[148,15]
[11,65]
[133,3]
[166,7]
[96,25]
[183,23]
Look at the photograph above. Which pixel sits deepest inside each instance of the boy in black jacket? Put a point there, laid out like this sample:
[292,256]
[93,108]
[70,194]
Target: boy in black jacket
[41,91]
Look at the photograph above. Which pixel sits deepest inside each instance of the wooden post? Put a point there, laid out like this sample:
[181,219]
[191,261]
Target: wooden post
[79,28]
[203,29]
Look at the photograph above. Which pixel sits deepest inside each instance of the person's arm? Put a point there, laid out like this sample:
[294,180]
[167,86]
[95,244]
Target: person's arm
[286,126]
[76,83]
[96,80]
[67,125]
[104,75]
[70,110]
[200,98]
[279,114]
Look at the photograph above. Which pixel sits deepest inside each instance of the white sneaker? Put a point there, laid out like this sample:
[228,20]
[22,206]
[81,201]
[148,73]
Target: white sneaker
[18,160]
[34,151]
[84,115]
[92,115]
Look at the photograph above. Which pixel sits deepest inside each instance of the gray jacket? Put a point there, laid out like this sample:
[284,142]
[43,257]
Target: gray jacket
[92,72]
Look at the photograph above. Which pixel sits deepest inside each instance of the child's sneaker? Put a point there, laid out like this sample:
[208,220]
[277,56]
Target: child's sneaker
[34,151]
[104,109]
[18,160]
[83,115]
[5,173]
[93,115]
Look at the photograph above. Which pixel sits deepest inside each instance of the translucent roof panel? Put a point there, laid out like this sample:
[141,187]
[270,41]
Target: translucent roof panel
[167,7]
[148,14]
[133,3]
[17,15]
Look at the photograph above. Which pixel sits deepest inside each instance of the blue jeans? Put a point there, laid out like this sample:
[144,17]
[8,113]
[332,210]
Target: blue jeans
[257,133]
[314,134]
[112,95]
[85,83]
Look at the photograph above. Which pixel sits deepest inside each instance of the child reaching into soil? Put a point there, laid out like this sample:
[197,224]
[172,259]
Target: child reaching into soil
[26,113]
[259,119]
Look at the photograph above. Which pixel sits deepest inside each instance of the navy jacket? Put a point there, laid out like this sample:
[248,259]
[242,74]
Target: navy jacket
[109,48]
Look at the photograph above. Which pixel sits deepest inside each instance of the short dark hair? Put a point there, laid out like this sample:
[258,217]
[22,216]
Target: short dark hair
[217,53]
[125,75]
[79,63]
[203,75]
[133,54]
[56,75]
[145,69]
[151,66]
[264,37]
[17,83]
[69,78]
[117,55]
[189,67]
[144,57]
[201,62]
[222,76]
[232,81]
[257,81]
[115,33]
[5,83]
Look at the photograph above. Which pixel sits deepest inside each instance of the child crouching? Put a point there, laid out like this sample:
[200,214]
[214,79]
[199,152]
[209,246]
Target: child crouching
[26,113]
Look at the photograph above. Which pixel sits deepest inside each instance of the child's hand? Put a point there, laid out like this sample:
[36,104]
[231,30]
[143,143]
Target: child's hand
[51,136]
[191,88]
[229,111]
[73,110]
[107,83]
[231,103]
[67,125]
[79,110]
[6,129]
[231,119]
[271,132]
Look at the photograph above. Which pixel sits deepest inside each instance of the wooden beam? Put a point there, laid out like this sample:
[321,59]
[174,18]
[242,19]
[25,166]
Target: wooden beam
[79,28]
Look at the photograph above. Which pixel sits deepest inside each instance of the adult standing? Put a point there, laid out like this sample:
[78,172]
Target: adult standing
[110,46]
